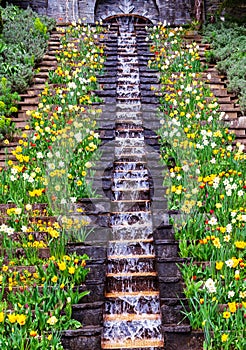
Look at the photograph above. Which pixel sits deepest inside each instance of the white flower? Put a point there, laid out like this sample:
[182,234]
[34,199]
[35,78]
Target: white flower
[13,178]
[40,155]
[231,294]
[51,166]
[14,171]
[185,167]
[213,161]
[24,229]
[227,238]
[243,217]
[10,231]
[210,285]
[25,176]
[213,221]
[229,228]
[240,193]
[229,263]
[63,201]
[3,228]
[78,137]
[73,199]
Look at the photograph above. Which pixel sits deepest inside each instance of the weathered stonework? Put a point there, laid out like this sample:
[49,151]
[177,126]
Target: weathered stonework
[174,12]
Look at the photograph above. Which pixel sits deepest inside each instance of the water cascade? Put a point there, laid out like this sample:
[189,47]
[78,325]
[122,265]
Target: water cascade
[132,318]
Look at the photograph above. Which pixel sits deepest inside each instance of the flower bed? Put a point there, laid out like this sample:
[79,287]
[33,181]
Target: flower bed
[206,178]
[43,181]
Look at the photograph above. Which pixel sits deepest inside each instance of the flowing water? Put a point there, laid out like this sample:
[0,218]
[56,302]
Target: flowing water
[132,316]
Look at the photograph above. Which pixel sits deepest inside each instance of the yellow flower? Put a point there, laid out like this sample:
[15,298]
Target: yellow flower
[62,286]
[219,265]
[71,270]
[226,314]
[218,205]
[5,268]
[1,317]
[240,244]
[49,337]
[224,337]
[12,318]
[52,320]
[216,242]
[232,307]
[62,266]
[33,333]
[21,319]
[54,279]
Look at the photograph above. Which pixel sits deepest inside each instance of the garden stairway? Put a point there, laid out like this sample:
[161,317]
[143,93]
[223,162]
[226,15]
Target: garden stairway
[143,281]
[228,102]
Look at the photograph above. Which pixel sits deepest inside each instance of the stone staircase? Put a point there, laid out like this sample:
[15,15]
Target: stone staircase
[142,288]
[228,102]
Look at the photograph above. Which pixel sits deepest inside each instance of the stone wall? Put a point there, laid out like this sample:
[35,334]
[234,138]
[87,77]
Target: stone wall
[146,8]
[212,6]
[174,12]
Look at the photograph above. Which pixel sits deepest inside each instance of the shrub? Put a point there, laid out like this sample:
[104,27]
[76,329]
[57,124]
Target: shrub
[23,44]
[228,41]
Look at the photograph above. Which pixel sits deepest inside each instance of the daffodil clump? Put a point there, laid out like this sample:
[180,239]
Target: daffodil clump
[36,303]
[206,184]
[58,147]
[39,189]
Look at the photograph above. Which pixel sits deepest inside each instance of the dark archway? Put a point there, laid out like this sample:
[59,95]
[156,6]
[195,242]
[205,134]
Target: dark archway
[136,19]
[105,9]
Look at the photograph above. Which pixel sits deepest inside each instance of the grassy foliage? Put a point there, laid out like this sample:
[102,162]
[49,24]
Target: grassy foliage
[228,41]
[23,42]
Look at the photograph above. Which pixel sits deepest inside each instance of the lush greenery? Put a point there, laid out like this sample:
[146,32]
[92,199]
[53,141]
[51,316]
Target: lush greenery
[23,42]
[50,166]
[228,49]
[206,179]
[36,303]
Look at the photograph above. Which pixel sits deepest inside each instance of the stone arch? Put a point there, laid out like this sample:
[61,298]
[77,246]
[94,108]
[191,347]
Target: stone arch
[144,8]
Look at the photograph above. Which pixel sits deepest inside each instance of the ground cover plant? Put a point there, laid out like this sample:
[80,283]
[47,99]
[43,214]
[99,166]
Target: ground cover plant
[23,42]
[228,41]
[39,189]
[206,183]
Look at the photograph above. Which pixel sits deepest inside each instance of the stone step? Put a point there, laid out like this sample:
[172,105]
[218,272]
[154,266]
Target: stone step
[131,283]
[133,344]
[131,317]
[132,304]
